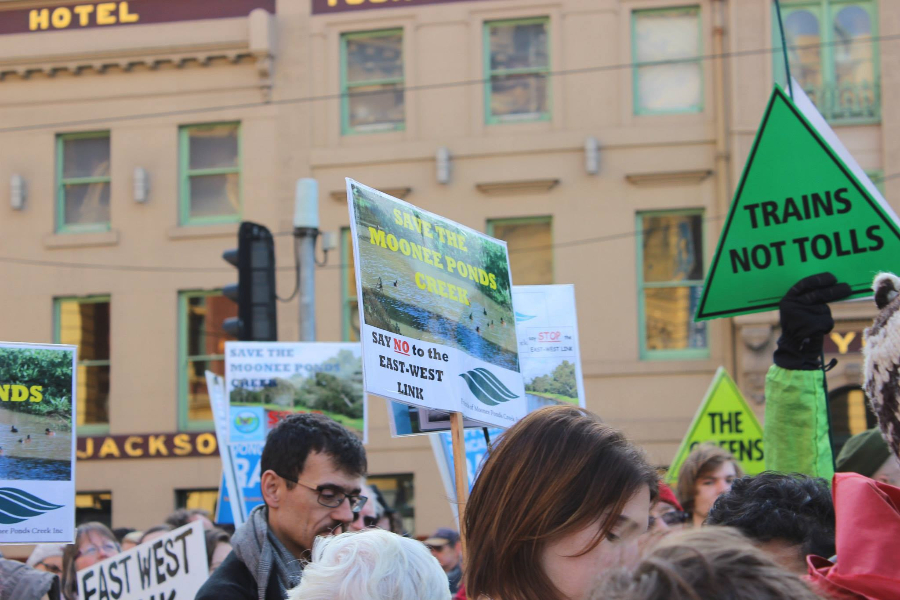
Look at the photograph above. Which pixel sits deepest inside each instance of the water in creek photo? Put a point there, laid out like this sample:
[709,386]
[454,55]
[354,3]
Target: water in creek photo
[43,456]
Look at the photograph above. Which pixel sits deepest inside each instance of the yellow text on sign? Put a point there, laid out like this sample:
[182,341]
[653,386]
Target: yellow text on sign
[81,15]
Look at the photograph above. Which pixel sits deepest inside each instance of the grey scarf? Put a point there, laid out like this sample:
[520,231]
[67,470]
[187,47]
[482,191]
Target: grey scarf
[262,552]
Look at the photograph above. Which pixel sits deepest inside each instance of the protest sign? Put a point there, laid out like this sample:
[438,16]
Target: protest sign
[803,206]
[265,381]
[218,402]
[549,359]
[37,443]
[245,463]
[726,420]
[436,313]
[243,476]
[171,567]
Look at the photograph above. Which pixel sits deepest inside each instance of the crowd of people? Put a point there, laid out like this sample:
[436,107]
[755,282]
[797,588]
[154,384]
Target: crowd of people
[564,507]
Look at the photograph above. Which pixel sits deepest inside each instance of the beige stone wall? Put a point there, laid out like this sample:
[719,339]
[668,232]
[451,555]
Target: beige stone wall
[168,70]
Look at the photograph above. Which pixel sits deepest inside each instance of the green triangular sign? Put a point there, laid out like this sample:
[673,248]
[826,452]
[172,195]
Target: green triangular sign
[724,419]
[803,206]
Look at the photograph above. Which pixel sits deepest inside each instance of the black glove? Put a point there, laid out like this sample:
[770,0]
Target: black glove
[805,319]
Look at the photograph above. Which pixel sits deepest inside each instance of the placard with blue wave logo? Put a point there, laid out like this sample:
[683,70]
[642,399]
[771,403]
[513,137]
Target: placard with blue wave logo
[37,443]
[549,358]
[437,324]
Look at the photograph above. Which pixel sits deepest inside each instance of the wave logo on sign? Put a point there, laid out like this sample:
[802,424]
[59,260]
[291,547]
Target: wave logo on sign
[246,422]
[485,386]
[520,318]
[17,505]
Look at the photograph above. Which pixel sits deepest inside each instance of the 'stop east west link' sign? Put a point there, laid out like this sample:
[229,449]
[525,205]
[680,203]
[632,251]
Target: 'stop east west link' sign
[83,15]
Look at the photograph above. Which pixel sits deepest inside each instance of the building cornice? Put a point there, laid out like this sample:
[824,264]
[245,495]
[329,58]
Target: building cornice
[235,40]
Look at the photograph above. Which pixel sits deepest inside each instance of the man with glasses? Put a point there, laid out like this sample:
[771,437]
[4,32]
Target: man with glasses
[446,548]
[312,472]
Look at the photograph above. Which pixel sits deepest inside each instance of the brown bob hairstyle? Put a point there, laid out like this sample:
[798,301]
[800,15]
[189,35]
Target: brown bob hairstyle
[703,460]
[70,553]
[556,472]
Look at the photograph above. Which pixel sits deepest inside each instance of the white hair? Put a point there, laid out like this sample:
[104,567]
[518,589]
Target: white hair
[371,565]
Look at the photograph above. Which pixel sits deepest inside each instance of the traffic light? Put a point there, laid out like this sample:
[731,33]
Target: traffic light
[255,291]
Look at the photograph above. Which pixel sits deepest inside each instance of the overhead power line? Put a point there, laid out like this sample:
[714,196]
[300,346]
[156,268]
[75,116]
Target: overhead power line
[431,86]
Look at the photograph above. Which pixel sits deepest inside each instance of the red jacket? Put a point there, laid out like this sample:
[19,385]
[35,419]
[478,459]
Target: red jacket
[867,538]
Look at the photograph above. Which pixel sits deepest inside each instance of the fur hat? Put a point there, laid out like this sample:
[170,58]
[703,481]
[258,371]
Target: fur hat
[882,365]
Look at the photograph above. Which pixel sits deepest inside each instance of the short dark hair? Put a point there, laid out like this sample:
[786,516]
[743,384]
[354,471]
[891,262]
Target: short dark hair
[794,508]
[183,516]
[214,537]
[297,435]
[155,529]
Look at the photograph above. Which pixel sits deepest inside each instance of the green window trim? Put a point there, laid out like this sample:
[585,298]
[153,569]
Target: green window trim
[87,428]
[185,173]
[348,86]
[62,182]
[877,178]
[539,219]
[185,423]
[825,11]
[489,73]
[700,107]
[644,352]
[349,308]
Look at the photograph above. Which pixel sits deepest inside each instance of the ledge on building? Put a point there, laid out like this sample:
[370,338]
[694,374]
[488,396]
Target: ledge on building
[193,232]
[507,188]
[81,240]
[396,192]
[669,178]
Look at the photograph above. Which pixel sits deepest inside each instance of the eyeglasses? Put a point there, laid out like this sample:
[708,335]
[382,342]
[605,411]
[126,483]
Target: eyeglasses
[673,517]
[108,548]
[368,520]
[332,496]
[51,568]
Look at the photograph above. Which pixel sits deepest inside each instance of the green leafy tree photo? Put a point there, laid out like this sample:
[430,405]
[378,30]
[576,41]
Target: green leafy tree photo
[49,369]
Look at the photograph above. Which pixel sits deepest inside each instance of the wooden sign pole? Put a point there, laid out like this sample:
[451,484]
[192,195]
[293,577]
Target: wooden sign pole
[462,477]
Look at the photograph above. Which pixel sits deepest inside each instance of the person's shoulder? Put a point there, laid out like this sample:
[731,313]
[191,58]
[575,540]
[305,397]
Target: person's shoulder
[232,580]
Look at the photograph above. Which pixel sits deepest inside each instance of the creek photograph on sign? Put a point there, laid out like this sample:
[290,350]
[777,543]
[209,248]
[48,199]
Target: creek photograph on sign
[36,414]
[426,278]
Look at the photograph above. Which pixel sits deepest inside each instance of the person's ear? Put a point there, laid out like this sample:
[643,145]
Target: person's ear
[883,479]
[273,488]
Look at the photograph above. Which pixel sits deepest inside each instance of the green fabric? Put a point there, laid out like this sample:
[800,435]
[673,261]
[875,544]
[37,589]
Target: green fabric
[795,434]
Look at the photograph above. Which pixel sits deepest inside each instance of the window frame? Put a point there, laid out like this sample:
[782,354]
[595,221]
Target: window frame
[185,423]
[62,182]
[493,222]
[185,173]
[86,429]
[489,118]
[826,10]
[348,292]
[346,86]
[670,354]
[635,95]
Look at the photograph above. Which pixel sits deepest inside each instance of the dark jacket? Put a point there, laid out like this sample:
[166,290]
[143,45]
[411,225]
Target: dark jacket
[233,581]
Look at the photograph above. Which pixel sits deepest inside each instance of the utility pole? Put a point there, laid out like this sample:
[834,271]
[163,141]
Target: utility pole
[306,230]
